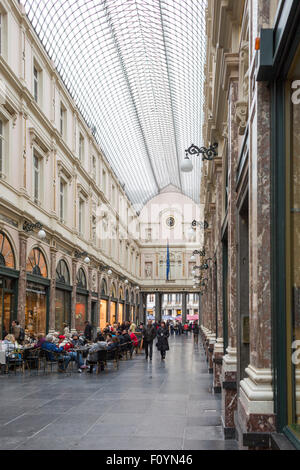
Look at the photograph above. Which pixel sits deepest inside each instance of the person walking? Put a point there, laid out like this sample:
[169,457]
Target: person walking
[149,334]
[162,340]
[196,332]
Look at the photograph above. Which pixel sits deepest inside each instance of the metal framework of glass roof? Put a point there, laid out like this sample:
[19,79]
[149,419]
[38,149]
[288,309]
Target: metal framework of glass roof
[135,69]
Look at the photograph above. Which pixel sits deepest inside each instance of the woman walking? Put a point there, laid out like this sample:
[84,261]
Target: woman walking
[162,340]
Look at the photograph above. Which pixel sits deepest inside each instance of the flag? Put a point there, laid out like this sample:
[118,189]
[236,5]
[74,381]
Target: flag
[168,261]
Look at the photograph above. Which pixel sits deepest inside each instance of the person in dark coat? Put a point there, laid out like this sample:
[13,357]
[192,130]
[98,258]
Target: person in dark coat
[88,330]
[149,333]
[162,340]
[196,332]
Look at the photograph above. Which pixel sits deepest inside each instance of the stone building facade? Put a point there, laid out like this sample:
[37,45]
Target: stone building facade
[239,190]
[94,259]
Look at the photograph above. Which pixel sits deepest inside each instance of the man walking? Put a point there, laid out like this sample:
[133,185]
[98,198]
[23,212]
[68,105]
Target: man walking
[88,331]
[196,332]
[149,334]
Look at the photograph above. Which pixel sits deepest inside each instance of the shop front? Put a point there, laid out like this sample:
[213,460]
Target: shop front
[63,292]
[8,285]
[103,312]
[37,293]
[121,312]
[113,312]
[283,73]
[81,301]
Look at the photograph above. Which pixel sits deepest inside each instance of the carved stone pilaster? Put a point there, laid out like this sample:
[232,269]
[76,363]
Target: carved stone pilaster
[241,116]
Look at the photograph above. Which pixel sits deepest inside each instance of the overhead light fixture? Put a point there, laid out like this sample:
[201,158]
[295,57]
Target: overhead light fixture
[109,272]
[87,260]
[28,227]
[126,281]
[208,154]
[42,234]
[193,258]
[187,166]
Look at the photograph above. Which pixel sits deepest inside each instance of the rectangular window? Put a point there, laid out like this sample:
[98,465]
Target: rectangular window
[1,32]
[62,120]
[81,147]
[104,181]
[81,217]
[293,244]
[35,83]
[36,178]
[94,167]
[1,149]
[62,200]
[94,228]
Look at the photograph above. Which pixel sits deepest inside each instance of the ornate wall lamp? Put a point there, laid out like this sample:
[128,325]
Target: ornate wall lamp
[208,154]
[197,252]
[81,254]
[28,227]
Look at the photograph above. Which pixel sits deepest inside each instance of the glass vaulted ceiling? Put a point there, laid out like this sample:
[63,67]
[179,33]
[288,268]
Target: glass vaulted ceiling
[135,69]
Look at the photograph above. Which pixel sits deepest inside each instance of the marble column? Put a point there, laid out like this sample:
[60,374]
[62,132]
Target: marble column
[89,300]
[53,252]
[158,302]
[256,400]
[184,307]
[219,345]
[73,296]
[229,366]
[22,278]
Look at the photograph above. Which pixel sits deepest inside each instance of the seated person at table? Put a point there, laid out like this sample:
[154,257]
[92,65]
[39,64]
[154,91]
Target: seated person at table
[99,336]
[134,340]
[40,340]
[51,348]
[76,341]
[64,343]
[93,354]
[10,343]
[126,336]
[112,345]
[121,338]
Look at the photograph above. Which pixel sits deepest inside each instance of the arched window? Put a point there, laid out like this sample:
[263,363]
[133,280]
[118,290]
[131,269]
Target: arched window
[127,295]
[121,296]
[7,257]
[132,298]
[62,272]
[81,279]
[113,291]
[36,263]
[103,287]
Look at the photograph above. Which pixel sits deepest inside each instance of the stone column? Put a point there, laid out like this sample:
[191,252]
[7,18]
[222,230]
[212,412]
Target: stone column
[73,297]
[256,400]
[219,346]
[53,252]
[229,369]
[89,301]
[158,297]
[184,308]
[22,278]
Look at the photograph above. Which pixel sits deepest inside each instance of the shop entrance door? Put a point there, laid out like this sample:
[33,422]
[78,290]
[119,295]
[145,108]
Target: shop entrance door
[6,307]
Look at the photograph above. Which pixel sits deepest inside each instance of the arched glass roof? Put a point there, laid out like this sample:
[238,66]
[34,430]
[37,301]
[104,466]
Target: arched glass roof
[135,69]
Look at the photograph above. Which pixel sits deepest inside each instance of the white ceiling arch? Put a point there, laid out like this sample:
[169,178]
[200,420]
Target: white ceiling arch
[135,69]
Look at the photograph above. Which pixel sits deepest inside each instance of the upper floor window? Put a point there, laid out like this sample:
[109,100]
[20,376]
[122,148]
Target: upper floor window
[62,200]
[62,120]
[94,167]
[104,181]
[2,148]
[37,164]
[81,147]
[81,217]
[3,32]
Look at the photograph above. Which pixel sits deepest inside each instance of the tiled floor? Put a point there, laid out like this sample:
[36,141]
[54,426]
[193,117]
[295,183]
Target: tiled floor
[144,405]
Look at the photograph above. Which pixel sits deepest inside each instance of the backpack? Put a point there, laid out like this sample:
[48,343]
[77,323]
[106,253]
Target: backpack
[22,334]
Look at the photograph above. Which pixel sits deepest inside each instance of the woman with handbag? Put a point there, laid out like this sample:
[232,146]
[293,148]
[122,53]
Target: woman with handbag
[162,340]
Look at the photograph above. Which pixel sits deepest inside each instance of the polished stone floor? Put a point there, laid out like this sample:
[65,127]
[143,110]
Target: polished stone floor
[159,405]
